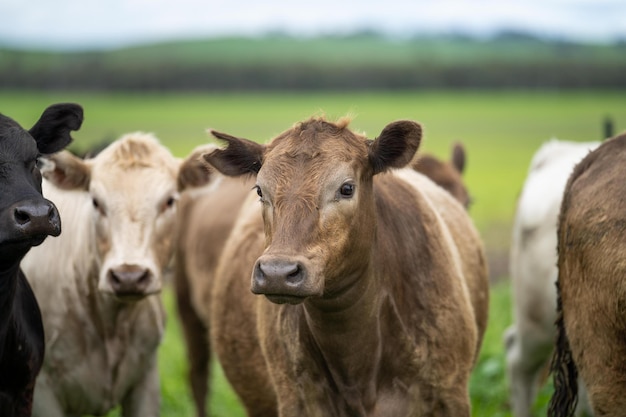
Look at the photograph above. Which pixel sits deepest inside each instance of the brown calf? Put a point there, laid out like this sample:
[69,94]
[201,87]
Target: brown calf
[202,238]
[447,174]
[375,281]
[591,286]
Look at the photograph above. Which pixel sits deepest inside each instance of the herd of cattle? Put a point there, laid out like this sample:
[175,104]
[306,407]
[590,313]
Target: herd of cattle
[374,279]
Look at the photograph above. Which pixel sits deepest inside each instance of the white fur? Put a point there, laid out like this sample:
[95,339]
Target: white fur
[101,351]
[533,269]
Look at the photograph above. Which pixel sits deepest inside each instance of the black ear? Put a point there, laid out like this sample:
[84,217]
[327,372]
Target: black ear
[458,157]
[240,157]
[52,130]
[396,145]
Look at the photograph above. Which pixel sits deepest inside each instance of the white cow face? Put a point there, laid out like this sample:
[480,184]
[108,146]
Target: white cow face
[134,186]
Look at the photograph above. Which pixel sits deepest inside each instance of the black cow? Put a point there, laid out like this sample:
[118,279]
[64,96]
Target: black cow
[26,218]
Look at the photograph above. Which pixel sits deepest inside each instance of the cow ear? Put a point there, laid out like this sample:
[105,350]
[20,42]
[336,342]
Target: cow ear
[458,157]
[240,157]
[52,130]
[67,171]
[194,170]
[396,145]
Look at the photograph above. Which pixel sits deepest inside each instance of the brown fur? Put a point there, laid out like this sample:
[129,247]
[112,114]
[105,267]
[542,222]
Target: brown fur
[448,174]
[200,243]
[592,289]
[390,315]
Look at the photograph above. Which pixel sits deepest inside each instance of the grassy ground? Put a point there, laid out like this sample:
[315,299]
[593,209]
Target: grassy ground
[501,131]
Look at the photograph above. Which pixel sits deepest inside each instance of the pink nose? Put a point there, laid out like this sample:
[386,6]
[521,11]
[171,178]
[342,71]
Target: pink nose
[129,279]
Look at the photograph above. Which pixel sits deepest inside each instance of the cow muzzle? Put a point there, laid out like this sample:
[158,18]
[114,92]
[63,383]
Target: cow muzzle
[32,220]
[130,280]
[284,280]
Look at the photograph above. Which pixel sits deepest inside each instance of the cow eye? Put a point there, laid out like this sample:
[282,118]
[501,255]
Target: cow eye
[346,190]
[258,191]
[32,165]
[98,206]
[169,203]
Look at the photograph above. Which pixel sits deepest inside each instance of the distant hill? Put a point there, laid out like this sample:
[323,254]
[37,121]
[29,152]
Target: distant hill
[360,61]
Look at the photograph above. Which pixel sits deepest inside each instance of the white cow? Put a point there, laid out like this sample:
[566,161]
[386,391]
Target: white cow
[530,340]
[98,284]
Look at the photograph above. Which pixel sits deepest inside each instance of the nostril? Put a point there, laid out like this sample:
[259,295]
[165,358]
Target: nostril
[144,277]
[114,278]
[295,276]
[52,212]
[21,216]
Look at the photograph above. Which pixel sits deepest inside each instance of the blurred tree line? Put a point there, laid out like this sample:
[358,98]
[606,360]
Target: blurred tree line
[358,61]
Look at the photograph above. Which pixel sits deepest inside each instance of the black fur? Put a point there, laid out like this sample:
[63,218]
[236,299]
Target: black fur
[26,218]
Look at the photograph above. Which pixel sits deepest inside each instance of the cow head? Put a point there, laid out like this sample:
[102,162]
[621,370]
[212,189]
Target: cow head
[26,218]
[447,174]
[133,187]
[315,185]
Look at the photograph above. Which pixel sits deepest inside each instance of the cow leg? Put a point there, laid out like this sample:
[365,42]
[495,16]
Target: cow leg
[583,408]
[527,358]
[199,353]
[609,400]
[593,315]
[196,342]
[45,403]
[144,399]
[603,371]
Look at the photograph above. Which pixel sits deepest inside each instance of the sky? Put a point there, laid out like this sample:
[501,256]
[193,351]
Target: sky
[85,24]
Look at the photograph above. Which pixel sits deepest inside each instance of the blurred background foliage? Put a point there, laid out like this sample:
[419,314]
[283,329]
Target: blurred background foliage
[364,60]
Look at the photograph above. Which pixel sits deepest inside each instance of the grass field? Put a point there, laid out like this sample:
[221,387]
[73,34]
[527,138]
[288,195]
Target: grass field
[501,131]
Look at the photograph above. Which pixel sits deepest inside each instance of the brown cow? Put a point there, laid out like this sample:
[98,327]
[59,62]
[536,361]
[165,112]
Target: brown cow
[202,238]
[200,242]
[591,286]
[374,278]
[447,174]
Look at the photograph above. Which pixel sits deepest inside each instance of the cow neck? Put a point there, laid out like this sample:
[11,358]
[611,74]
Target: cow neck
[8,284]
[106,310]
[347,329]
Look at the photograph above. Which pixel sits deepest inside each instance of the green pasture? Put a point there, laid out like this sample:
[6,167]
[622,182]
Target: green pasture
[501,131]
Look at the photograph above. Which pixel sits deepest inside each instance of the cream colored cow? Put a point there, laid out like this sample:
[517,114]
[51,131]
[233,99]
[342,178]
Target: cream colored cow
[529,341]
[98,284]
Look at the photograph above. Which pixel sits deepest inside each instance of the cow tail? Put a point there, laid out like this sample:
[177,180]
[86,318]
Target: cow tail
[565,375]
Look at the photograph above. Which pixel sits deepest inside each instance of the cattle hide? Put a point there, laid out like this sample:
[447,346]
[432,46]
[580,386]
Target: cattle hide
[26,218]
